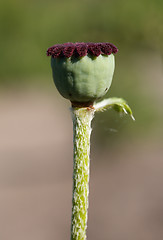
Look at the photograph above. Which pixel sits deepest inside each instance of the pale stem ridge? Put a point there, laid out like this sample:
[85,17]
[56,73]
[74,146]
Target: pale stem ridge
[82,118]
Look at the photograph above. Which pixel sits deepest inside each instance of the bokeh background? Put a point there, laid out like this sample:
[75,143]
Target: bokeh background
[126,194]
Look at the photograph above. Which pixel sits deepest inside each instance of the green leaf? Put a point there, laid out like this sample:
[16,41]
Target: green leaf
[118,104]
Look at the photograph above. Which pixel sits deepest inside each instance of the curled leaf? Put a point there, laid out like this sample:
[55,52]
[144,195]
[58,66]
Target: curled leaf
[118,104]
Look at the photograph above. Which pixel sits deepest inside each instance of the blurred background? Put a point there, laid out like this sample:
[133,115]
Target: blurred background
[126,194]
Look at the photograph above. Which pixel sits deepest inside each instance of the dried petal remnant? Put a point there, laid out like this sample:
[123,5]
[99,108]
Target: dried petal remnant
[81,49]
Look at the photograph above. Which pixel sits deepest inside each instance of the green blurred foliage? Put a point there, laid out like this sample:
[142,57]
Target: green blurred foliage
[28,28]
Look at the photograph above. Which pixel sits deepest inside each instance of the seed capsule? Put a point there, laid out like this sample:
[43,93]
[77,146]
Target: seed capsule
[82,72]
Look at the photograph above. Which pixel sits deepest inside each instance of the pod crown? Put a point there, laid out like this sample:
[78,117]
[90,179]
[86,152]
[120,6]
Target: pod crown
[81,49]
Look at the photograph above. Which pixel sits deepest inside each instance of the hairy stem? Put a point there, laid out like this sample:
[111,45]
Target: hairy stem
[81,138]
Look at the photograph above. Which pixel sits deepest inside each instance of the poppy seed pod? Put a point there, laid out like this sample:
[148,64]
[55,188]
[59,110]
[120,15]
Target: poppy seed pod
[82,72]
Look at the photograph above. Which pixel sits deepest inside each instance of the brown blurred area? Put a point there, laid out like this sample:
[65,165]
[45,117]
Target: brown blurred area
[126,196]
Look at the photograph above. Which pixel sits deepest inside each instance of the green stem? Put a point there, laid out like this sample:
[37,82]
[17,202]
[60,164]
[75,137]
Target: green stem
[81,138]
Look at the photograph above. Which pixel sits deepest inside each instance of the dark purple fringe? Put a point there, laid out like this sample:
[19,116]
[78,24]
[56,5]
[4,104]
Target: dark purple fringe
[81,49]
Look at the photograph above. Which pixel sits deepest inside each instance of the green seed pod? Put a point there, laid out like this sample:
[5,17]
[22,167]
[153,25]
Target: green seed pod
[82,78]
